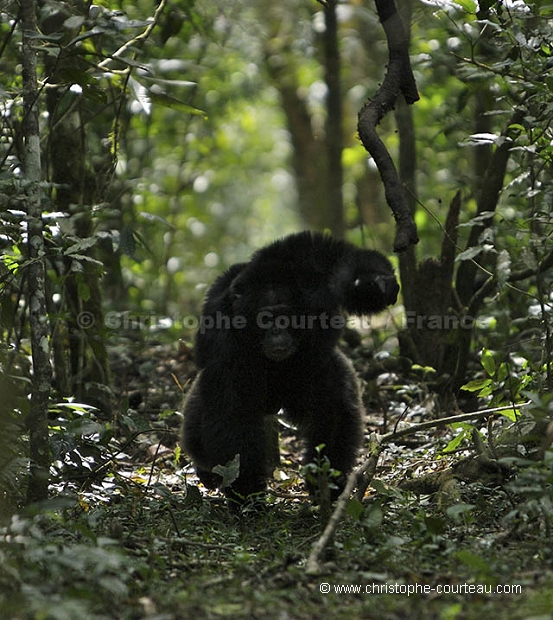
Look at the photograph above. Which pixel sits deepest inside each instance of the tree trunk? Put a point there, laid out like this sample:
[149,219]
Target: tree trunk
[39,451]
[334,138]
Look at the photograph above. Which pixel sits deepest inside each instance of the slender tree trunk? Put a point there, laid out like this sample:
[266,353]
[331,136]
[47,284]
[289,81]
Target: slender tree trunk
[38,417]
[333,131]
[407,168]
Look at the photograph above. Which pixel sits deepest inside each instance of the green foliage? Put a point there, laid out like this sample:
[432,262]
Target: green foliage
[504,382]
[79,443]
[127,559]
[486,65]
[141,547]
[321,477]
[532,486]
[480,567]
[13,411]
[88,570]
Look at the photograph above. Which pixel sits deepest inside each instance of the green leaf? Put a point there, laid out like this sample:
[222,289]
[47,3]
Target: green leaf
[83,258]
[355,509]
[76,21]
[473,561]
[127,242]
[487,391]
[457,510]
[488,362]
[502,372]
[228,472]
[373,517]
[435,525]
[83,290]
[175,104]
[467,5]
[476,384]
[80,246]
[153,217]
[469,254]
[511,414]
[455,442]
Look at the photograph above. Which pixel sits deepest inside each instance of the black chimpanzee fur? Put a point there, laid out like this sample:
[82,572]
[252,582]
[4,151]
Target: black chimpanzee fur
[267,341]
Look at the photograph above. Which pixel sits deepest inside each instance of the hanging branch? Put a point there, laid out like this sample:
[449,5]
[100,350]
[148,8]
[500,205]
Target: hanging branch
[399,79]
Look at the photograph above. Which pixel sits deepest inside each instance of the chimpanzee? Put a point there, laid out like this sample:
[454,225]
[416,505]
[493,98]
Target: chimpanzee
[268,342]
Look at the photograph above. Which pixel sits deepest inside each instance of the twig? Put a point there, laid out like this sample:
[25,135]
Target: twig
[140,38]
[461,417]
[367,469]
[186,542]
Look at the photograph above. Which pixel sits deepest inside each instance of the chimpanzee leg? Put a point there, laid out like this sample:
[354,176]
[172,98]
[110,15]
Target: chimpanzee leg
[219,425]
[333,415]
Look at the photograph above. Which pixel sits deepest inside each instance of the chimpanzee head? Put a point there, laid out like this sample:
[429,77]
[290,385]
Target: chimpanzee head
[265,295]
[367,282]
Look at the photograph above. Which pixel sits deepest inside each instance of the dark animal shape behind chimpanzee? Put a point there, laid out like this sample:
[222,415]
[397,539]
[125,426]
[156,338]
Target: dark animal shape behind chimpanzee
[267,341]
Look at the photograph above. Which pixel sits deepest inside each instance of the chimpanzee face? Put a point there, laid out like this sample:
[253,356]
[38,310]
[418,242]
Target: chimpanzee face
[275,324]
[267,306]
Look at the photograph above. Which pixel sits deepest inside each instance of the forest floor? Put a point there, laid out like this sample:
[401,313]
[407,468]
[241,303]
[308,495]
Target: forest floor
[129,533]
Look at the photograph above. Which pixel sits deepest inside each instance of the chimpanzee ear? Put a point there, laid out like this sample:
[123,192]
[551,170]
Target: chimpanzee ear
[236,288]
